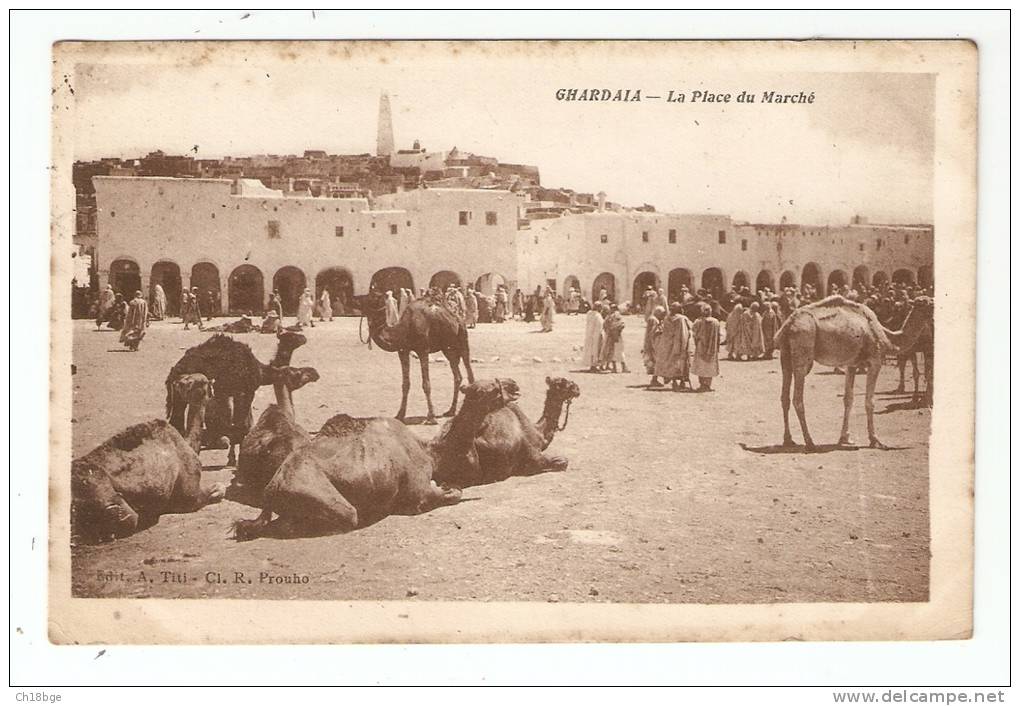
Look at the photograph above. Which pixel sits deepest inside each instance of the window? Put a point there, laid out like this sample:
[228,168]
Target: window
[464,217]
[605,238]
[274,229]
[339,231]
[878,244]
[861,247]
[490,218]
[113,214]
[409,224]
[722,237]
[743,244]
[906,239]
[672,236]
[393,228]
[644,236]
[536,240]
[373,224]
[214,214]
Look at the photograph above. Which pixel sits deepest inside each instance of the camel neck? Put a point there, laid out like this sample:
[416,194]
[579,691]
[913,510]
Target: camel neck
[196,419]
[907,337]
[460,432]
[281,358]
[284,399]
[550,418]
[384,336]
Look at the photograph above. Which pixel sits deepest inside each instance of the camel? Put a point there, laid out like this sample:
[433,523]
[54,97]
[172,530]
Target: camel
[837,332]
[358,470]
[145,471]
[509,444]
[424,328]
[236,374]
[275,434]
[926,346]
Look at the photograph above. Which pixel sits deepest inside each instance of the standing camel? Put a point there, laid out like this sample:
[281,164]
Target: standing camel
[424,328]
[236,374]
[925,345]
[837,332]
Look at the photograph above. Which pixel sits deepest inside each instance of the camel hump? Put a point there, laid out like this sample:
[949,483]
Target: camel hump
[342,425]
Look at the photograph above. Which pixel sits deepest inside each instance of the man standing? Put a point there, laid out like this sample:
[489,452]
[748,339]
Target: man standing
[612,346]
[592,339]
[673,349]
[326,305]
[106,299]
[135,322]
[648,298]
[471,307]
[548,311]
[706,348]
[653,332]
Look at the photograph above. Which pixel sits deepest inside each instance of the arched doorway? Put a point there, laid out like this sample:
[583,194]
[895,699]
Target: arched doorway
[571,282]
[712,280]
[168,276]
[641,283]
[678,279]
[391,279]
[787,279]
[290,282]
[741,280]
[861,277]
[812,275]
[837,278]
[765,280]
[487,283]
[125,277]
[206,276]
[606,281]
[903,277]
[443,279]
[245,291]
[340,284]
[879,279]
[924,276]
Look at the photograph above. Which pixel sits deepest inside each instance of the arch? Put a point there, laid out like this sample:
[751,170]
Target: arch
[571,282]
[125,277]
[340,283]
[837,278]
[607,281]
[880,279]
[741,279]
[487,283]
[925,278]
[391,279]
[679,278]
[641,283]
[862,277]
[246,290]
[812,274]
[903,276]
[788,279]
[765,279]
[206,276]
[443,279]
[168,275]
[712,280]
[290,282]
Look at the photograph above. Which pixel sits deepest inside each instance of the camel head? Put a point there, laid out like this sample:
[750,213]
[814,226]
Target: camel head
[192,388]
[562,389]
[486,396]
[290,340]
[921,314]
[296,378]
[98,511]
[373,307]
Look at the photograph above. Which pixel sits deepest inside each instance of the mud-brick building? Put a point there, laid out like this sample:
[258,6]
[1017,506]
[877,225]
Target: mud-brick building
[241,240]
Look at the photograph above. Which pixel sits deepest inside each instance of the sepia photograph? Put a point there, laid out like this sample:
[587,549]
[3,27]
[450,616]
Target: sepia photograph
[526,328]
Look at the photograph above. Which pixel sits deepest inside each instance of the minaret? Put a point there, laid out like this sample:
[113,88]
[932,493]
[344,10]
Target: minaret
[384,140]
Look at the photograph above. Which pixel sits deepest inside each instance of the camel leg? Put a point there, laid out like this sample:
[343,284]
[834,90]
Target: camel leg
[455,367]
[405,384]
[437,496]
[901,363]
[848,403]
[869,402]
[798,405]
[929,378]
[917,393]
[785,363]
[241,424]
[426,385]
[465,358]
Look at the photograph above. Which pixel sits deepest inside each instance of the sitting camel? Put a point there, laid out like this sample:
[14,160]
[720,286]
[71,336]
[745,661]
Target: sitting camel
[359,470]
[425,327]
[274,436]
[509,444]
[236,374]
[837,332]
[143,472]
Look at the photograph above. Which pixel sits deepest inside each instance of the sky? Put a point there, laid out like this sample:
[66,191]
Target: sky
[863,147]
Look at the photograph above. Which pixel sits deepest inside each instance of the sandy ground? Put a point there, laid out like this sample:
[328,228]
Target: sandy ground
[669,498]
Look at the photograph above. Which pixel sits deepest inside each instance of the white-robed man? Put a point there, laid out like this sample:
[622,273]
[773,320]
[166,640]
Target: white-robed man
[392,309]
[325,306]
[592,339]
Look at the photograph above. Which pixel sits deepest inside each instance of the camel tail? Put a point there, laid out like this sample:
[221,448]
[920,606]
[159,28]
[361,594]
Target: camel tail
[246,530]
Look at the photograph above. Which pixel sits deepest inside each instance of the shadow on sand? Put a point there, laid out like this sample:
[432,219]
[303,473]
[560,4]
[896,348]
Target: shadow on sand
[818,449]
[904,406]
